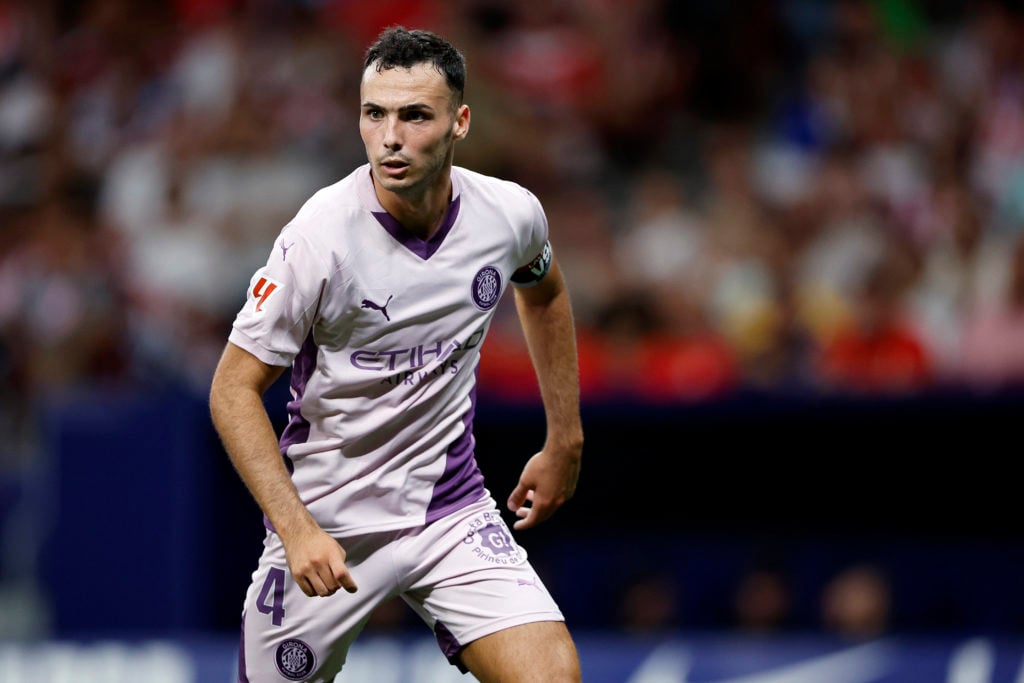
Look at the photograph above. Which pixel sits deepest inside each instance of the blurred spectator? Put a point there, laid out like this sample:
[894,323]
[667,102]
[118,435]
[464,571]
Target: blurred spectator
[782,349]
[651,345]
[582,224]
[964,271]
[650,605]
[877,351]
[61,308]
[844,239]
[178,317]
[616,352]
[685,358]
[763,601]
[743,242]
[663,238]
[992,356]
[857,602]
[544,54]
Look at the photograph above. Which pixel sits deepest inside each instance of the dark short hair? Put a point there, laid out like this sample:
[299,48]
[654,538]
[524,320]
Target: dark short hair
[397,46]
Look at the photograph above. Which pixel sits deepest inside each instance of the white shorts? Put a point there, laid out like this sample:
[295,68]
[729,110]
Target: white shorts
[464,575]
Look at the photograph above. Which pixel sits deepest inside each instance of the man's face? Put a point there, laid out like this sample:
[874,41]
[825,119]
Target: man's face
[409,126]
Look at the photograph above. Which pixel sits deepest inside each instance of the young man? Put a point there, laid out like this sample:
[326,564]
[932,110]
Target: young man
[378,294]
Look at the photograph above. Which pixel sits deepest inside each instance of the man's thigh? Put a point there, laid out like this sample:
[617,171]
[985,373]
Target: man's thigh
[287,635]
[470,579]
[539,652]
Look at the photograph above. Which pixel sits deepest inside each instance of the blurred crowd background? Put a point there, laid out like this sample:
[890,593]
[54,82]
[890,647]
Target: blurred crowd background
[782,198]
[786,196]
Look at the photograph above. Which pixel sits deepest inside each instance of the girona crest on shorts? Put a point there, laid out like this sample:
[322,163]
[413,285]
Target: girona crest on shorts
[295,660]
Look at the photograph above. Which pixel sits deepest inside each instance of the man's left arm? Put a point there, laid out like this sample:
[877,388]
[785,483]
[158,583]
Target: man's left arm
[549,478]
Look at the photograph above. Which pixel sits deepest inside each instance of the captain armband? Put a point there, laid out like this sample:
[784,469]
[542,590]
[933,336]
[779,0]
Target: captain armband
[534,271]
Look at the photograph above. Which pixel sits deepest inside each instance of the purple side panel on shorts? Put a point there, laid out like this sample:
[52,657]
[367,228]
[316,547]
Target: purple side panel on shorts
[243,677]
[461,483]
[422,248]
[447,642]
[297,429]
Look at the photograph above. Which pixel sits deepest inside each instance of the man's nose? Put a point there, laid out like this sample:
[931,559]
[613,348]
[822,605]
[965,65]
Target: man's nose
[392,133]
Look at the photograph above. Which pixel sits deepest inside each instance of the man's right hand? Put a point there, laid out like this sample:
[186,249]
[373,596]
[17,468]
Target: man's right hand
[317,562]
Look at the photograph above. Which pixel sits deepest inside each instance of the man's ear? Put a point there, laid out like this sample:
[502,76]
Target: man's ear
[460,127]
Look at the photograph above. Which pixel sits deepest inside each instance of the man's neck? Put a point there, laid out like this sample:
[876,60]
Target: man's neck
[420,213]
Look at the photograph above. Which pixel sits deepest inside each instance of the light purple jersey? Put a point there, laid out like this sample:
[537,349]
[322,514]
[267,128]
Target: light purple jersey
[383,332]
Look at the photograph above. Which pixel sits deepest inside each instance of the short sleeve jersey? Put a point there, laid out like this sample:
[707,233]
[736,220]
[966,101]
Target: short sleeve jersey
[383,332]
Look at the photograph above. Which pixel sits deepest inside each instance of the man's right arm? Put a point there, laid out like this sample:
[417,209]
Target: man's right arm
[315,559]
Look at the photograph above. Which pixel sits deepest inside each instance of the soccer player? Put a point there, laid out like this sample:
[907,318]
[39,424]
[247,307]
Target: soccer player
[378,295]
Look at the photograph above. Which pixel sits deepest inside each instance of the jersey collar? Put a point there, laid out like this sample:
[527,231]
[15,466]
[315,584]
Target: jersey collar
[422,248]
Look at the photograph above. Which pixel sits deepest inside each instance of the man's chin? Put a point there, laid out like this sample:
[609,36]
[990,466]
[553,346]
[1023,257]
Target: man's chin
[392,183]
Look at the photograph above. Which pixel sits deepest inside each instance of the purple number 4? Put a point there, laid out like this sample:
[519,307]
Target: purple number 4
[271,599]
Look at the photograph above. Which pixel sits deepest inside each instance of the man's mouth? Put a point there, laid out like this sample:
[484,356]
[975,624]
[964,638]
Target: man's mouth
[394,168]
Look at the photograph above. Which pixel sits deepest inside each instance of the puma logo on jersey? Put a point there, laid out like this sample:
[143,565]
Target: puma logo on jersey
[285,248]
[378,307]
[262,290]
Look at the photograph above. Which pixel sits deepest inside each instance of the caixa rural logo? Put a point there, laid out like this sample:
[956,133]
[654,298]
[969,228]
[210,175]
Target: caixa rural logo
[492,542]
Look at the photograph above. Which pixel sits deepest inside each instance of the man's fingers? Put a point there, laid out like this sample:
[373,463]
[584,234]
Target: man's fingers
[344,579]
[518,497]
[528,517]
[318,566]
[322,587]
[322,581]
[523,523]
[526,513]
[315,586]
[348,583]
[306,586]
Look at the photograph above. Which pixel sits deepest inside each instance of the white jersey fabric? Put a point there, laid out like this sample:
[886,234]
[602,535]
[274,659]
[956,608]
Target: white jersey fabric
[383,333]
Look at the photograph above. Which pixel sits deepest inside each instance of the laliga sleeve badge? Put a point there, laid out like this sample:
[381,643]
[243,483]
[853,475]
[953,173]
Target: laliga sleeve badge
[261,291]
[295,660]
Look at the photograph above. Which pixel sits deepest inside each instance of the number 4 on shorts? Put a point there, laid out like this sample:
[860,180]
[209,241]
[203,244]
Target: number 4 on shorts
[271,599]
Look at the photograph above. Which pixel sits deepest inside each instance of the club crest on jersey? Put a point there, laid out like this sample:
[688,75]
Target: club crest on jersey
[262,290]
[492,542]
[486,287]
[295,660]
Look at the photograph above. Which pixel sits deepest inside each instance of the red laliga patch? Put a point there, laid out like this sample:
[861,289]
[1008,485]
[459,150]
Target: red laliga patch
[262,290]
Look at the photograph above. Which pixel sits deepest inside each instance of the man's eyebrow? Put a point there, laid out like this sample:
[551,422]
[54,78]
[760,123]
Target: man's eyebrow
[414,106]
